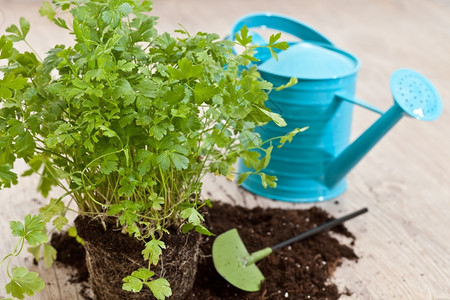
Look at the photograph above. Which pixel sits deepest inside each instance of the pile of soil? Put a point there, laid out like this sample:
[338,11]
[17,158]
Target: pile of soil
[71,253]
[300,271]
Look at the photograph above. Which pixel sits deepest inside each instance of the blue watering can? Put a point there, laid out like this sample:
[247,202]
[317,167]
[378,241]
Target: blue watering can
[314,165]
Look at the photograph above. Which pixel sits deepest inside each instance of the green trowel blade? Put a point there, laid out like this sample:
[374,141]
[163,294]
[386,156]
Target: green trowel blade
[234,263]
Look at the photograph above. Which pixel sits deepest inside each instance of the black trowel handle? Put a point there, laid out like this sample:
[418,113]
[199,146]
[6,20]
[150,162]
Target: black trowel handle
[319,229]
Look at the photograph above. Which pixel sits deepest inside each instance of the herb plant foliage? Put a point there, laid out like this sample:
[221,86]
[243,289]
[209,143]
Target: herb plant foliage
[127,122]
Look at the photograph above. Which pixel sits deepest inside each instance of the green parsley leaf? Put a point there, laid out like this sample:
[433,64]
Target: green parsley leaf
[243,38]
[143,274]
[290,135]
[163,160]
[186,70]
[292,81]
[242,177]
[47,10]
[7,177]
[160,288]
[192,215]
[153,250]
[6,47]
[132,284]
[59,222]
[275,117]
[203,230]
[35,251]
[33,230]
[24,282]
[268,180]
[49,255]
[179,161]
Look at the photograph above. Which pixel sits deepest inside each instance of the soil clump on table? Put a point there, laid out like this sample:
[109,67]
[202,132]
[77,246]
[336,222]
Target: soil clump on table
[300,271]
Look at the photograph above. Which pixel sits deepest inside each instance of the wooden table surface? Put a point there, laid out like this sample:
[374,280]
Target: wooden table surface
[404,241]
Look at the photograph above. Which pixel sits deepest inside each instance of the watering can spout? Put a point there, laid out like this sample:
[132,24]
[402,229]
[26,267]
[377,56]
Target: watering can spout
[347,159]
[413,95]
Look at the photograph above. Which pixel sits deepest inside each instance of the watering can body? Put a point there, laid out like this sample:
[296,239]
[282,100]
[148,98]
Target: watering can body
[313,166]
[301,165]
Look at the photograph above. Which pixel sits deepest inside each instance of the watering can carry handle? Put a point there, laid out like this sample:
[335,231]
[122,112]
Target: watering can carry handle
[281,23]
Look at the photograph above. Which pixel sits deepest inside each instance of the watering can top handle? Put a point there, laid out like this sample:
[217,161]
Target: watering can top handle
[282,23]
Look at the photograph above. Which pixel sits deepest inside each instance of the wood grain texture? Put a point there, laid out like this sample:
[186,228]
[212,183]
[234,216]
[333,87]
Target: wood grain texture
[404,241]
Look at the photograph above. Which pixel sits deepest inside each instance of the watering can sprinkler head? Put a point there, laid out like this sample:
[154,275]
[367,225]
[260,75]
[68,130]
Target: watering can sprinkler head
[414,96]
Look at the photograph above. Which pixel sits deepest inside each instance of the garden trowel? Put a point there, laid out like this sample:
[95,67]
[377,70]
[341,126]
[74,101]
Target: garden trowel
[238,266]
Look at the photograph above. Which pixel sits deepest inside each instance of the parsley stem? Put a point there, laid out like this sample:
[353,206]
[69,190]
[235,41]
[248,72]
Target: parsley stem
[32,49]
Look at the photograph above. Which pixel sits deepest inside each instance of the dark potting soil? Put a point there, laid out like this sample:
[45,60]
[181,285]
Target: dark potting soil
[300,271]
[71,253]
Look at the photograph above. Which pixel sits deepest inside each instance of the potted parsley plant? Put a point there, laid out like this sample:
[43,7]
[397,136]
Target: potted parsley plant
[127,122]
